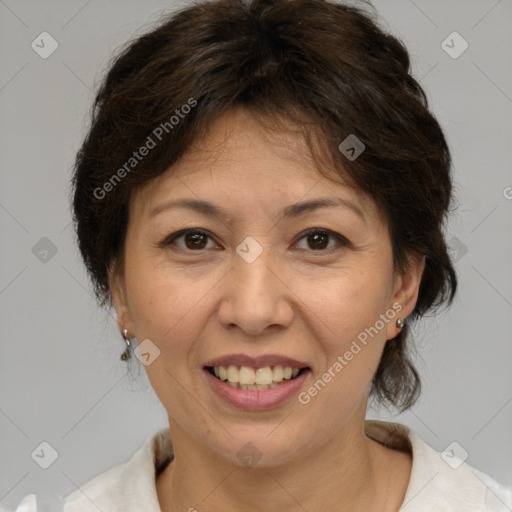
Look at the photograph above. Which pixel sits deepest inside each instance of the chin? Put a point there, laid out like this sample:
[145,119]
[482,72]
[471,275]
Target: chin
[258,448]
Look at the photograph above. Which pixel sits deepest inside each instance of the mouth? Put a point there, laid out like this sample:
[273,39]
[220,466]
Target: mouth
[257,379]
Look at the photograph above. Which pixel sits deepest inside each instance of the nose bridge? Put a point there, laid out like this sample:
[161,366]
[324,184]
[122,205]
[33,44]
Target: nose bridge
[255,297]
[252,268]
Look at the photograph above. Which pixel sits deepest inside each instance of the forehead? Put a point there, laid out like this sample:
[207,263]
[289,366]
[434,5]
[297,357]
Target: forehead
[241,161]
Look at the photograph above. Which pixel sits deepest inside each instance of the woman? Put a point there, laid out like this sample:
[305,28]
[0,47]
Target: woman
[261,197]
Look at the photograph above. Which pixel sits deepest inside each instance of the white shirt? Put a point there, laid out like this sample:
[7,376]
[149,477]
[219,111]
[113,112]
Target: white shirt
[437,482]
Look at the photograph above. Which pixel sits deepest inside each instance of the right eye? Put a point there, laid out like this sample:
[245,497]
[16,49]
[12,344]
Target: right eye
[194,239]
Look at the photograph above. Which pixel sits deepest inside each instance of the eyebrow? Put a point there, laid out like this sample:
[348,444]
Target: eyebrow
[289,212]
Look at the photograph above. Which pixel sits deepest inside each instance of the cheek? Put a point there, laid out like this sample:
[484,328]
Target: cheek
[350,334]
[172,306]
[345,303]
[169,310]
[168,305]
[160,306]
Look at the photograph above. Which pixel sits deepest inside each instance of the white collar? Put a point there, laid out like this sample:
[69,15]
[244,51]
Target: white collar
[433,485]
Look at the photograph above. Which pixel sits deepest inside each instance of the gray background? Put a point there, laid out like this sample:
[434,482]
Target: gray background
[61,380]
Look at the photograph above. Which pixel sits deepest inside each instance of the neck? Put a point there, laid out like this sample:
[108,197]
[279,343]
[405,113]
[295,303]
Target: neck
[348,471]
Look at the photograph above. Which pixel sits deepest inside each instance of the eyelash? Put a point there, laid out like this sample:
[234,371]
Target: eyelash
[341,240]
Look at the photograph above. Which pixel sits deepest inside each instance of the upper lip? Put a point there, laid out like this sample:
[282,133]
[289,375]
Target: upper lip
[257,361]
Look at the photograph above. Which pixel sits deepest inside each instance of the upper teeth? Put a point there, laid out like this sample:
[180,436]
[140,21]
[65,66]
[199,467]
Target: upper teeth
[248,375]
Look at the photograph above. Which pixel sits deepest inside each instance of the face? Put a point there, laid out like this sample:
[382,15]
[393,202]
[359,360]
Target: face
[311,288]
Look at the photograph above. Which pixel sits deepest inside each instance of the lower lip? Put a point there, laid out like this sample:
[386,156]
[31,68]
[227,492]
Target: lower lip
[257,400]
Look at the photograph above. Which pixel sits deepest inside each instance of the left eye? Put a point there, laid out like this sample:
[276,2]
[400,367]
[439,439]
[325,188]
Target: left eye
[317,238]
[196,239]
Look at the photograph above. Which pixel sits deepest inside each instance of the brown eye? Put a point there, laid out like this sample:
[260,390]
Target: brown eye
[318,239]
[194,240]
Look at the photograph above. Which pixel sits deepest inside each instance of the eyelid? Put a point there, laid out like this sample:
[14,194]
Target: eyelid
[341,240]
[169,239]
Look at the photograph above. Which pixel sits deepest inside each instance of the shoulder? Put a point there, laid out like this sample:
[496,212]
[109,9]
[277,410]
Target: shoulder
[27,504]
[103,492]
[445,479]
[128,486]
[441,481]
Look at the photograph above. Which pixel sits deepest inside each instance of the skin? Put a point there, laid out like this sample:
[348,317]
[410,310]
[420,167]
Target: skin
[297,300]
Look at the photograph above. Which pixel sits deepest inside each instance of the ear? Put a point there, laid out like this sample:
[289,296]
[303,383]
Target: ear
[119,298]
[406,289]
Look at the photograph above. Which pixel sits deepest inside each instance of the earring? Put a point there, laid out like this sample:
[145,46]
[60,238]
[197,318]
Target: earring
[400,323]
[126,354]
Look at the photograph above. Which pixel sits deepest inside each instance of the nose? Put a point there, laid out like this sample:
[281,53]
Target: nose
[256,296]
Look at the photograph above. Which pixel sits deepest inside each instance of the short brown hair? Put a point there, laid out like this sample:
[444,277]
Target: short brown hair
[328,68]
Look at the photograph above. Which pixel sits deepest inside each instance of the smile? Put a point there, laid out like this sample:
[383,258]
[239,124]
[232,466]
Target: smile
[289,381]
[256,379]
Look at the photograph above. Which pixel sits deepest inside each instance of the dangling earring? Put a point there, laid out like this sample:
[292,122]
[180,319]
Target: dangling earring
[126,354]
[400,323]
